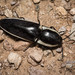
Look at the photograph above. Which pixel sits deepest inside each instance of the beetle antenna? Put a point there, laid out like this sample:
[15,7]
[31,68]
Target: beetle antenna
[68,35]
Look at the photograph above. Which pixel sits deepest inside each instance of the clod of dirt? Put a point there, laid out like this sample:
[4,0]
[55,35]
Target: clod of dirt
[36,1]
[14,58]
[72,11]
[8,13]
[20,46]
[7,45]
[62,30]
[69,66]
[72,37]
[59,50]
[35,71]
[36,55]
[61,11]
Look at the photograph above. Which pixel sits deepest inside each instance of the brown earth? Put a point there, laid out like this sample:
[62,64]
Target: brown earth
[48,17]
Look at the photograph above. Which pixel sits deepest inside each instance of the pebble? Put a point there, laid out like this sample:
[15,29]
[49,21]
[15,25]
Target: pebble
[61,11]
[7,45]
[65,54]
[59,50]
[62,30]
[60,58]
[20,45]
[72,36]
[67,6]
[36,56]
[14,58]
[13,3]
[36,1]
[72,11]
[46,52]
[35,71]
[69,66]
[6,64]
[8,13]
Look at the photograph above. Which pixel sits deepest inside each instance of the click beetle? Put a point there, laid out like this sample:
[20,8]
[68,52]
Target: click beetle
[32,32]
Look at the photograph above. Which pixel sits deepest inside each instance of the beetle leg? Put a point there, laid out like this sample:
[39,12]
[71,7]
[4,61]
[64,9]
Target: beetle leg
[62,53]
[52,52]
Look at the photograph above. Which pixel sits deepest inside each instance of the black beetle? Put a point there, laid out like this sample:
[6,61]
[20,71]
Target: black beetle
[33,32]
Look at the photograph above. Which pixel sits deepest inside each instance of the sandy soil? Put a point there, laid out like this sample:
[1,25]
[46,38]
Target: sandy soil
[48,17]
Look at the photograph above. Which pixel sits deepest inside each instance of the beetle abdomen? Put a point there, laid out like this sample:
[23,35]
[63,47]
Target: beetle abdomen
[19,28]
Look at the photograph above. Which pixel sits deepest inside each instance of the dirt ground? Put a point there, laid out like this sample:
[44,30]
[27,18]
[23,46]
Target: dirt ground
[45,10]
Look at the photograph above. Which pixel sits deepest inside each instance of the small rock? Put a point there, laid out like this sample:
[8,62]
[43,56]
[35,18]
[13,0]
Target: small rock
[61,11]
[47,52]
[36,1]
[69,66]
[7,45]
[67,6]
[63,65]
[65,54]
[72,36]
[8,13]
[20,46]
[59,50]
[6,64]
[62,30]
[13,3]
[72,11]
[35,71]
[36,55]
[60,58]
[14,58]
[32,62]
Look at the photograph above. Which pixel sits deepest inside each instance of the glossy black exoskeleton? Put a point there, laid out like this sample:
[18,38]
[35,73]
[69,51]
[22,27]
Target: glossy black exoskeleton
[31,31]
